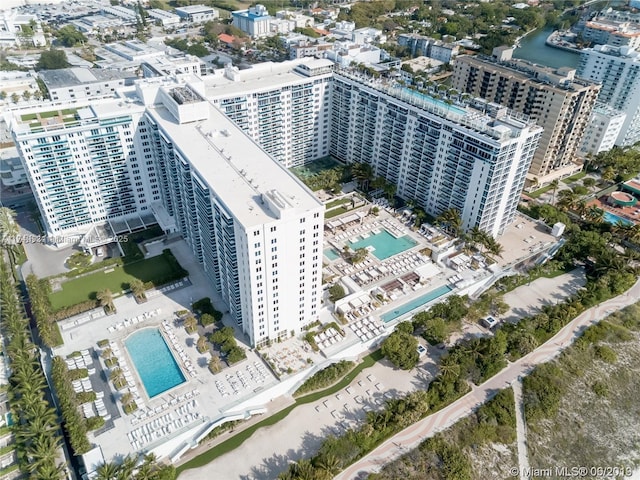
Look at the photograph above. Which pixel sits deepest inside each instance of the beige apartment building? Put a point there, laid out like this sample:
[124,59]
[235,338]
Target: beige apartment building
[558,101]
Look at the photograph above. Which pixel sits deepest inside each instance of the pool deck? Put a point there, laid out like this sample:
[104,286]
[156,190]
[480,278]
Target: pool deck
[172,417]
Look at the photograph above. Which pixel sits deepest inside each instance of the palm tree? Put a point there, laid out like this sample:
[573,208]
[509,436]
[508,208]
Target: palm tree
[115,374]
[215,364]
[554,186]
[451,221]
[137,288]
[202,345]
[330,464]
[449,367]
[389,191]
[107,471]
[362,174]
[495,247]
[9,229]
[126,398]
[595,214]
[107,353]
[105,297]
[567,199]
[43,451]
[125,471]
[190,324]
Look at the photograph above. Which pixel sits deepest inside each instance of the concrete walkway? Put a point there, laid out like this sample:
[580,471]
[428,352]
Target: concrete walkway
[412,436]
[521,431]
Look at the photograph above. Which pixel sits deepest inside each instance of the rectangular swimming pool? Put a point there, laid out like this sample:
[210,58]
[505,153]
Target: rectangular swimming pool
[154,362]
[416,303]
[332,254]
[614,219]
[384,245]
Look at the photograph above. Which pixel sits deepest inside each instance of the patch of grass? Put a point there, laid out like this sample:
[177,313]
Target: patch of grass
[85,288]
[574,178]
[540,191]
[335,212]
[237,440]
[51,114]
[28,116]
[69,111]
[339,201]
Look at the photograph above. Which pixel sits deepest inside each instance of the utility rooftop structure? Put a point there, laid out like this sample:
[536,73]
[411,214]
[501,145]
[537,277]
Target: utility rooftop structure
[558,101]
[69,84]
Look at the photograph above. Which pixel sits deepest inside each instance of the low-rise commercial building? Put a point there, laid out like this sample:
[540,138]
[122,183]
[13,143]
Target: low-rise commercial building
[197,13]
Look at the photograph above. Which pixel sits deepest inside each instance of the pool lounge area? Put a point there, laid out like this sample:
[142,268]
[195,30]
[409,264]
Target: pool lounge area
[415,303]
[154,362]
[384,245]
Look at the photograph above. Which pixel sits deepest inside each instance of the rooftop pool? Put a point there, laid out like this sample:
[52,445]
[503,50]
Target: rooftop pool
[384,245]
[154,362]
[415,303]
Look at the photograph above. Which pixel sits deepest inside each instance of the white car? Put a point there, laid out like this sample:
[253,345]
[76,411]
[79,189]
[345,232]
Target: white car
[421,350]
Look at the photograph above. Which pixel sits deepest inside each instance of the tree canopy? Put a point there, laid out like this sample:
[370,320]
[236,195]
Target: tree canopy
[70,36]
[401,349]
[52,59]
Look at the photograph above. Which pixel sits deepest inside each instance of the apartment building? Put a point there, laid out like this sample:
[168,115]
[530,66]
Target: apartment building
[285,107]
[617,69]
[254,227]
[87,163]
[440,155]
[603,129]
[554,98]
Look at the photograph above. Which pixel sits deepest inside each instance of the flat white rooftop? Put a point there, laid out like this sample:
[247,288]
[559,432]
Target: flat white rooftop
[261,77]
[234,167]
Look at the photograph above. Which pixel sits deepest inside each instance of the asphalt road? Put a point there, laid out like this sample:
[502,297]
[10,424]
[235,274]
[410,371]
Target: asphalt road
[412,436]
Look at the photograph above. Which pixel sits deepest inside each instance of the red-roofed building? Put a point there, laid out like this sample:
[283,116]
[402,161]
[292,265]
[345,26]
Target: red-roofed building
[226,39]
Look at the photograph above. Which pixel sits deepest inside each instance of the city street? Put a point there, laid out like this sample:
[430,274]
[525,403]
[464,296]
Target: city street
[412,436]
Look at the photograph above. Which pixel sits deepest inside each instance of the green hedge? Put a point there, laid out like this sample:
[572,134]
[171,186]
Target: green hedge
[325,377]
[72,422]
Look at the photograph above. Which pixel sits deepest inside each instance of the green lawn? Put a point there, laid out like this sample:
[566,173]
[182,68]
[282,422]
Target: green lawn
[539,192]
[237,440]
[574,178]
[335,212]
[339,201]
[29,116]
[84,288]
[51,114]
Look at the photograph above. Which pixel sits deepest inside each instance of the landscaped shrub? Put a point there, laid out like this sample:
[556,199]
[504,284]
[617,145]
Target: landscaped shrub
[85,397]
[94,423]
[73,423]
[77,374]
[325,377]
[207,319]
[79,260]
[204,306]
[227,343]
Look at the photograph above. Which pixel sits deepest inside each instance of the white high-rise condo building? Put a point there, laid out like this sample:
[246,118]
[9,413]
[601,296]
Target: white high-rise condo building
[285,107]
[254,227]
[440,155]
[87,164]
[618,70]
